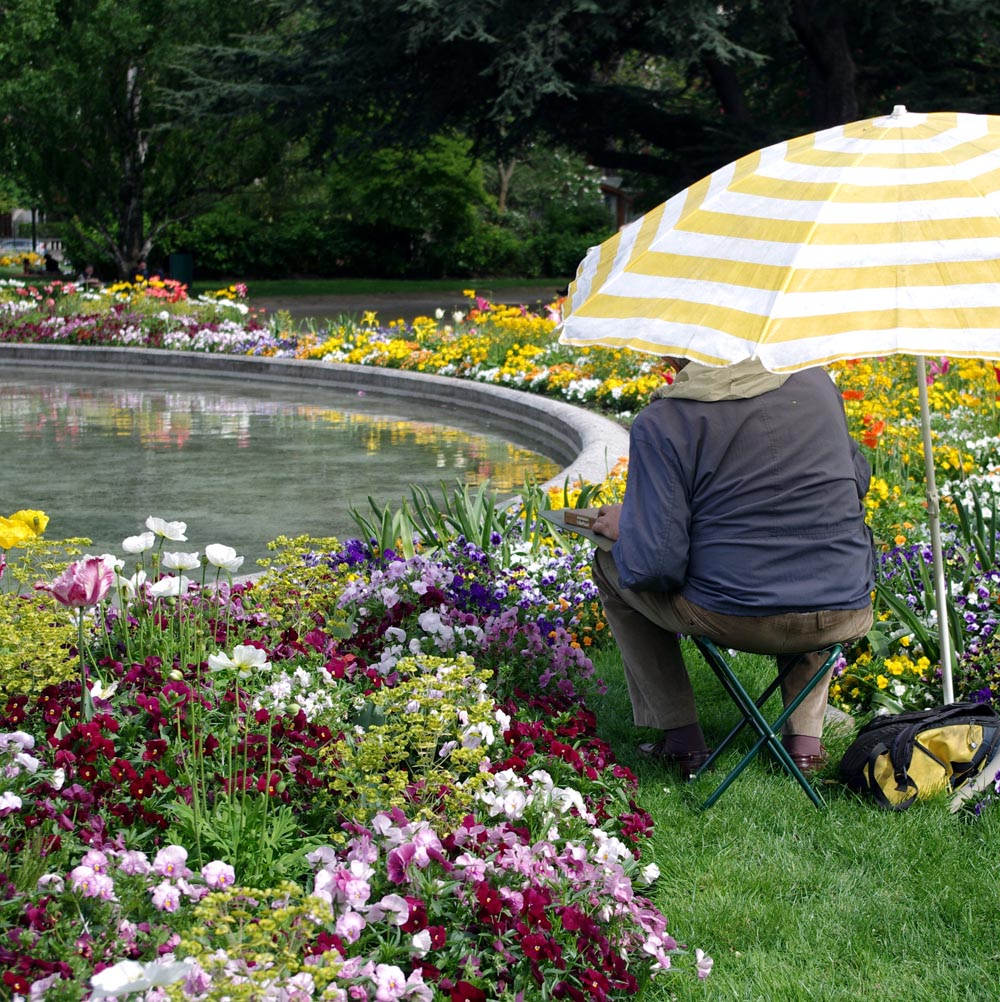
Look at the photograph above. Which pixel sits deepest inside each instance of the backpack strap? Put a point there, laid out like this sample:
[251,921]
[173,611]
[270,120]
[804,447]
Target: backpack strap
[903,782]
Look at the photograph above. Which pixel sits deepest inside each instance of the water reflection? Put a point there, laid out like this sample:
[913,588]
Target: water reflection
[239,468]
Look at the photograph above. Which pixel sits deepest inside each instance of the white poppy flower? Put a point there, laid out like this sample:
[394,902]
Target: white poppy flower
[130,585]
[182,561]
[174,531]
[138,544]
[129,976]
[170,587]
[245,660]
[224,557]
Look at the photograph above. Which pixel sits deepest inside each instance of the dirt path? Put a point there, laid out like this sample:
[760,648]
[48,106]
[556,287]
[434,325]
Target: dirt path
[401,305]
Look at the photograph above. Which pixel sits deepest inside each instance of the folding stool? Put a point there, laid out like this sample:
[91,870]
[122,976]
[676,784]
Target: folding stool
[751,713]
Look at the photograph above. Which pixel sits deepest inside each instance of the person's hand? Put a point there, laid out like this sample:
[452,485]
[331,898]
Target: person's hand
[606,523]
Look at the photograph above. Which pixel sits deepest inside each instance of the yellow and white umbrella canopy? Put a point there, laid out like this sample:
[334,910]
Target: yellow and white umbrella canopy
[873,238]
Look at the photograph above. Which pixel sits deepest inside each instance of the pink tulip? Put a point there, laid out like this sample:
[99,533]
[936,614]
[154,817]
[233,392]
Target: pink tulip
[83,583]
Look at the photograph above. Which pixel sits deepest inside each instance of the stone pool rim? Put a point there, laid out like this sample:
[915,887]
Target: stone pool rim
[587,444]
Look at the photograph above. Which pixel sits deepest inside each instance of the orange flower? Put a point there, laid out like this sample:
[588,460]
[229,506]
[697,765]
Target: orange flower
[853,395]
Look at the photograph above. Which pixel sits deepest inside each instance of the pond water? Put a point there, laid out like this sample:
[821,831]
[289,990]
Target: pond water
[99,452]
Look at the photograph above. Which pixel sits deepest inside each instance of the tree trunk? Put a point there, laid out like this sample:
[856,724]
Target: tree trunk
[727,88]
[505,171]
[819,26]
[131,242]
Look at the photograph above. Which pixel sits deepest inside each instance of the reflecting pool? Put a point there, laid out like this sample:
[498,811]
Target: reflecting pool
[99,452]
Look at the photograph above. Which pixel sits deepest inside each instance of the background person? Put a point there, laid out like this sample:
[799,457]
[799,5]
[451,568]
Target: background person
[743,521]
[88,277]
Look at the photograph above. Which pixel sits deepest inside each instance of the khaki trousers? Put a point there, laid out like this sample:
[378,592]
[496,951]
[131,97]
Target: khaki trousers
[646,625]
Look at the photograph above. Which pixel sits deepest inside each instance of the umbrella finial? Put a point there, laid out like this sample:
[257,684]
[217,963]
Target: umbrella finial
[898,111]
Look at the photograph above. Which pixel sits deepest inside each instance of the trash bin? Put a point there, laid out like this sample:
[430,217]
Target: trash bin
[182,268]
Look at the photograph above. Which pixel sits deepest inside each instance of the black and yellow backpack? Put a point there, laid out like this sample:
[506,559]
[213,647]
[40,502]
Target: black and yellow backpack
[899,758]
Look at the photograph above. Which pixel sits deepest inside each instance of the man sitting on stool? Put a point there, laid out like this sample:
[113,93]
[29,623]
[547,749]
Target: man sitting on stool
[743,521]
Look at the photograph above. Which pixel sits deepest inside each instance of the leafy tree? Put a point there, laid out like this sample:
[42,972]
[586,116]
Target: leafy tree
[86,127]
[668,91]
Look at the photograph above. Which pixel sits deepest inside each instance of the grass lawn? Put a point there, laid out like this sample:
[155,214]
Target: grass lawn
[847,903]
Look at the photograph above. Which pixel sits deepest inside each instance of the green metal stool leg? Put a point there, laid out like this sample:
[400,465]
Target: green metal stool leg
[751,712]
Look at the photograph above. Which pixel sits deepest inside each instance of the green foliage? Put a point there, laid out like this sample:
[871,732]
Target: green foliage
[260,840]
[295,590]
[36,639]
[420,747]
[475,515]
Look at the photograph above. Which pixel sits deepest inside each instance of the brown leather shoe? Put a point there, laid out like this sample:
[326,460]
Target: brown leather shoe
[685,763]
[809,765]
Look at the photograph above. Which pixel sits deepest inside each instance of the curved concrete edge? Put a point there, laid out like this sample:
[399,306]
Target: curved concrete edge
[589,445]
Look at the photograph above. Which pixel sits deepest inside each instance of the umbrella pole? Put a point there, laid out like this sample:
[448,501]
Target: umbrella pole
[934,518]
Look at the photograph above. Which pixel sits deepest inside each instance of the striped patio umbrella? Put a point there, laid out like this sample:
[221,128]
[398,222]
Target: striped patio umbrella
[873,238]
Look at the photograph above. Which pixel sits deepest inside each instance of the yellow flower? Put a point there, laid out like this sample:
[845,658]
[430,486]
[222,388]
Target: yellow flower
[882,682]
[13,533]
[35,520]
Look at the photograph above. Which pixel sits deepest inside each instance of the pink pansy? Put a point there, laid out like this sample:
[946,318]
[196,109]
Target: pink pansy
[91,884]
[218,874]
[390,983]
[704,963]
[96,860]
[171,861]
[350,925]
[81,879]
[392,908]
[166,897]
[84,583]
[357,892]
[134,863]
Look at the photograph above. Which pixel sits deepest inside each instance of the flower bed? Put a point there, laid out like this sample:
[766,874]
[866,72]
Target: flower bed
[379,768]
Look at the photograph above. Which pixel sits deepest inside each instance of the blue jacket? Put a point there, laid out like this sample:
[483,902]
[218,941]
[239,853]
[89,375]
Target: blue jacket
[749,507]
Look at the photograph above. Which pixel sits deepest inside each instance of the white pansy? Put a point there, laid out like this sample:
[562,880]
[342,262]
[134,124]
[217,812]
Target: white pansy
[9,801]
[27,762]
[649,873]
[223,557]
[21,740]
[174,531]
[100,691]
[477,734]
[138,544]
[421,942]
[170,587]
